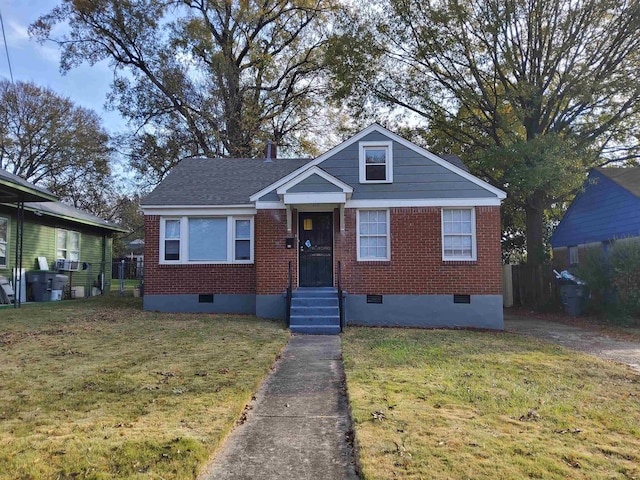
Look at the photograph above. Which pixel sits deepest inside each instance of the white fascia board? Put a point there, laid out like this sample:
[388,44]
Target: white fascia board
[346,188]
[305,198]
[195,210]
[270,206]
[430,202]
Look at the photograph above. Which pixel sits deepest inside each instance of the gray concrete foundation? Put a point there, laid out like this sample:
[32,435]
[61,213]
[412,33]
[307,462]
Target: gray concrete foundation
[484,311]
[244,304]
[271,306]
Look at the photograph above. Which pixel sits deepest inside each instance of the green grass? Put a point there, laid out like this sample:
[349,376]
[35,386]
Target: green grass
[100,389]
[460,404]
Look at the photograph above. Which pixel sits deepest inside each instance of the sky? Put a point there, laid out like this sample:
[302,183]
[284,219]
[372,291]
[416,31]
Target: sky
[86,85]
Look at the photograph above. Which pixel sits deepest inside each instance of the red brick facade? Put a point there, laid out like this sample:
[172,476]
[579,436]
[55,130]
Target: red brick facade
[190,279]
[415,268]
[271,255]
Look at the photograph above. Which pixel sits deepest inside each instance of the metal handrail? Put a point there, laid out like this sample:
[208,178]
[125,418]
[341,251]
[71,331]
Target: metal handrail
[289,296]
[340,302]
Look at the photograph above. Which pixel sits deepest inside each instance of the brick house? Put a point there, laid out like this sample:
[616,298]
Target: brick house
[415,236]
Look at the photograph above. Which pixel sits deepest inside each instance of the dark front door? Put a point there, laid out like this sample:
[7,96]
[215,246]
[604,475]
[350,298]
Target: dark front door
[316,249]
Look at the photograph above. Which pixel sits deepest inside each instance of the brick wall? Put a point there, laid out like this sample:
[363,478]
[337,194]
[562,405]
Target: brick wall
[190,279]
[271,256]
[416,265]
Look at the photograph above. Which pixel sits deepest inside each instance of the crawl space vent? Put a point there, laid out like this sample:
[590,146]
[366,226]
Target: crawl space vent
[208,298]
[462,299]
[374,298]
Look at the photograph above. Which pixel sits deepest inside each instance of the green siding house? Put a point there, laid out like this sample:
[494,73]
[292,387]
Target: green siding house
[55,231]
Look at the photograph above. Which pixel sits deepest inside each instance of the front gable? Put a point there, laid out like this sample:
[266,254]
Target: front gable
[397,171]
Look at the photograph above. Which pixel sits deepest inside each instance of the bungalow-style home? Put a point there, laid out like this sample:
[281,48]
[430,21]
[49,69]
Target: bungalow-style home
[73,242]
[606,209]
[411,238]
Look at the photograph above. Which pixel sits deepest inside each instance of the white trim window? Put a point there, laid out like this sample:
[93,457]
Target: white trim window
[67,245]
[376,162]
[459,234]
[4,242]
[372,236]
[574,256]
[206,240]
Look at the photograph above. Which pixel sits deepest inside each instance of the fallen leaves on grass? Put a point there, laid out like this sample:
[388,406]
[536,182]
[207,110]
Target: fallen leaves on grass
[532,415]
[379,415]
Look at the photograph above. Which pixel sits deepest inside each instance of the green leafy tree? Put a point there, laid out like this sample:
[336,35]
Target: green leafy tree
[48,140]
[213,78]
[530,93]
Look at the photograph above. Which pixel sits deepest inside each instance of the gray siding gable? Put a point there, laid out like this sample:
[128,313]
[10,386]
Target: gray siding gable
[414,175]
[314,183]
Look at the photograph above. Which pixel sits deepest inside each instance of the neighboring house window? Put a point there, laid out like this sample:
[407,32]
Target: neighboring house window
[373,235]
[67,245]
[376,162]
[573,256]
[4,241]
[458,234]
[206,240]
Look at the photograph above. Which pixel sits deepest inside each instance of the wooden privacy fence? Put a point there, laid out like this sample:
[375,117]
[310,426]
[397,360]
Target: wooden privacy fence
[532,286]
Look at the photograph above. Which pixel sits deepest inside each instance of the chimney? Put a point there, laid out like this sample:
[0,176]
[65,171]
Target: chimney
[270,151]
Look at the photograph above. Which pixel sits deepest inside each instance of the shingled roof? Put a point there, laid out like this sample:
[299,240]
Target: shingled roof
[627,177]
[219,181]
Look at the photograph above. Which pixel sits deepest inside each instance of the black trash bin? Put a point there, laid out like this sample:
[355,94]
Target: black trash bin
[574,298]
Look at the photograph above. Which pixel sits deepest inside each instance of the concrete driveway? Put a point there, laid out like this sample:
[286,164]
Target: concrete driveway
[582,339]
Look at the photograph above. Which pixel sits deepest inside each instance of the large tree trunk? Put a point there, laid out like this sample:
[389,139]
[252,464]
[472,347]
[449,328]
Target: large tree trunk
[534,211]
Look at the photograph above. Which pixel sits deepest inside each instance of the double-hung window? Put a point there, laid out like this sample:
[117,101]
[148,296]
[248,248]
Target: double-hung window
[4,241]
[67,245]
[458,234]
[373,235]
[224,239]
[376,162]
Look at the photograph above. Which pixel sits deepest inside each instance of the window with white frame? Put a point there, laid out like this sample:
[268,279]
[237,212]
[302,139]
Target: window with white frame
[67,245]
[226,239]
[458,234]
[4,242]
[373,235]
[376,162]
[574,257]
[171,240]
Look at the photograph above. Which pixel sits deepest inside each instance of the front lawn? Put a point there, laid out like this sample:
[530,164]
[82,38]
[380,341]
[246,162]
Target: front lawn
[100,389]
[459,404]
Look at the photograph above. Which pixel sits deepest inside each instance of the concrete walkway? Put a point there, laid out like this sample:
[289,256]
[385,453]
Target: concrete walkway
[582,339]
[299,423]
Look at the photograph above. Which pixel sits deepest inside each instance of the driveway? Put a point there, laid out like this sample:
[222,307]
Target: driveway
[582,339]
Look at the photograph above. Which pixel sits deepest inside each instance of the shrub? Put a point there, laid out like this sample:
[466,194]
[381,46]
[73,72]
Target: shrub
[614,279]
[624,258]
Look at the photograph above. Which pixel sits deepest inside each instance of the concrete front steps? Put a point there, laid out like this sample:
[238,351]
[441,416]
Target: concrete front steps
[315,311]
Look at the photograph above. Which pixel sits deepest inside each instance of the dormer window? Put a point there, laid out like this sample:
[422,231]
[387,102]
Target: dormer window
[376,162]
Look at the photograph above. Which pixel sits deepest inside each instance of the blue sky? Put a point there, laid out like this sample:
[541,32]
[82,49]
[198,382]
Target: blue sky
[86,85]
